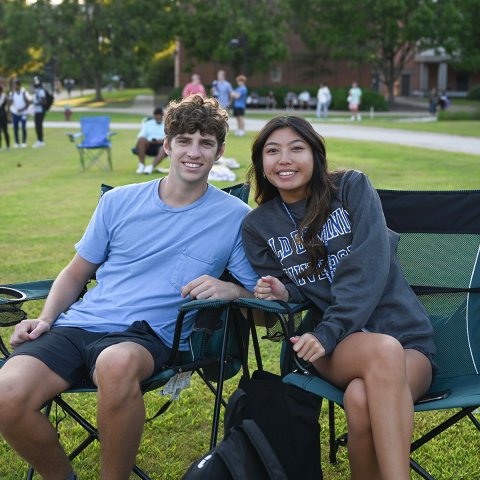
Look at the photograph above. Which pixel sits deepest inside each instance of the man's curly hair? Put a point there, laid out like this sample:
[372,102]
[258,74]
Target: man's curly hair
[196,113]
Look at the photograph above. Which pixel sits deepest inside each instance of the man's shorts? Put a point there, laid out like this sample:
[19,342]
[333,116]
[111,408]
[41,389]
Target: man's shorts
[153,149]
[238,112]
[72,352]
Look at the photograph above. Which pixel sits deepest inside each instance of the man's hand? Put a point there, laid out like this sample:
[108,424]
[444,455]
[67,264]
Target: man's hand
[271,288]
[28,330]
[308,347]
[205,287]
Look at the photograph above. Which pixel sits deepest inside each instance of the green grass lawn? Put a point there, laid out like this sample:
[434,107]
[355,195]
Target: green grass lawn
[46,204]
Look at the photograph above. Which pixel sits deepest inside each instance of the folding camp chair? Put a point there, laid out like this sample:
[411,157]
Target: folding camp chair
[439,251]
[218,349]
[93,142]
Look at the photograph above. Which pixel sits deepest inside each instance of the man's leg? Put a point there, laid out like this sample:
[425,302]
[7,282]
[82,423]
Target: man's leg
[24,129]
[16,121]
[26,384]
[159,157]
[142,146]
[121,412]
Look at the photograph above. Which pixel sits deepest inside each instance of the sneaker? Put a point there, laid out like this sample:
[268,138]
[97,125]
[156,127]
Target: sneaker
[38,144]
[140,168]
[148,169]
[23,145]
[16,145]
[163,170]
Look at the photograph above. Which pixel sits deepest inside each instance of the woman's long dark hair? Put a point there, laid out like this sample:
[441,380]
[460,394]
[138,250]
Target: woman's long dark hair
[321,187]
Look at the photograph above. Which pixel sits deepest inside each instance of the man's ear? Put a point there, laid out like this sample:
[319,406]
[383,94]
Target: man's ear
[166,146]
[221,151]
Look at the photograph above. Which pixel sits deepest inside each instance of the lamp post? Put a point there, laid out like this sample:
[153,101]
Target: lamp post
[241,42]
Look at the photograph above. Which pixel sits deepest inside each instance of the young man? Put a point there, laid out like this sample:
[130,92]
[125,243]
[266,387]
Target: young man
[39,104]
[19,103]
[152,246]
[150,142]
[222,89]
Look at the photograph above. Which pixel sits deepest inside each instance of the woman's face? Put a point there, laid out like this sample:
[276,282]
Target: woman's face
[288,164]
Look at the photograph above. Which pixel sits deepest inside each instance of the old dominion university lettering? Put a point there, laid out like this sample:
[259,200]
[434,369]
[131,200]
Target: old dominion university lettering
[337,225]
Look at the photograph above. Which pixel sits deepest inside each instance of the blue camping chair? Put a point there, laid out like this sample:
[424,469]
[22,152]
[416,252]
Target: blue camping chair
[93,142]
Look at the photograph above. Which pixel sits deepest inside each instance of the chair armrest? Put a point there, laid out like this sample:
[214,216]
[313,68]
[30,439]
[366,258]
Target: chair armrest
[74,136]
[111,134]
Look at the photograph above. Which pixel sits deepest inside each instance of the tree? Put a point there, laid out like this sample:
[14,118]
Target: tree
[249,35]
[460,33]
[17,52]
[384,33]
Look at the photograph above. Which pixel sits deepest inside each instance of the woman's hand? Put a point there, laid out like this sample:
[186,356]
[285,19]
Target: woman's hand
[308,347]
[271,288]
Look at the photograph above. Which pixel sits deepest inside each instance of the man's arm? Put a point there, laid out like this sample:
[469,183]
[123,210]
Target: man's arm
[64,292]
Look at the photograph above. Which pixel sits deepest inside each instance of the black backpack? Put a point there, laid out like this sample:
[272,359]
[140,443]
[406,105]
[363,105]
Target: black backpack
[243,454]
[48,100]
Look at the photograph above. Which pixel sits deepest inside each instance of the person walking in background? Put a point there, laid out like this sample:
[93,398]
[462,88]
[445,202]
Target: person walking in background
[432,102]
[39,104]
[354,100]
[4,118]
[239,96]
[19,103]
[324,98]
[194,87]
[150,141]
[222,90]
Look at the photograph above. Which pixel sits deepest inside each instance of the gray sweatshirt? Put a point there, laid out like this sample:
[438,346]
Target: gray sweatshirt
[363,286]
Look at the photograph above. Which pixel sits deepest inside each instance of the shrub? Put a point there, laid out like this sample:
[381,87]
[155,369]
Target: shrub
[474,93]
[448,115]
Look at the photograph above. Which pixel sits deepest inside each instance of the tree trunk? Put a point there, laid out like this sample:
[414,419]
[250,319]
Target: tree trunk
[98,88]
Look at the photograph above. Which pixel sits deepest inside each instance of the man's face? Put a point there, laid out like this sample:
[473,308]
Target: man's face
[192,156]
[158,118]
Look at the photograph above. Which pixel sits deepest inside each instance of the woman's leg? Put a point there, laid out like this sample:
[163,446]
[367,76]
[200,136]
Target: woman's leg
[381,380]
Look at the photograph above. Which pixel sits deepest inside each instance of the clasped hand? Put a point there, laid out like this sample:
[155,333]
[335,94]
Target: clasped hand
[306,346]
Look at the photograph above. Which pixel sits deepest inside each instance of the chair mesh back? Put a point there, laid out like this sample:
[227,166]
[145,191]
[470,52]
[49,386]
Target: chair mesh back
[439,253]
[437,260]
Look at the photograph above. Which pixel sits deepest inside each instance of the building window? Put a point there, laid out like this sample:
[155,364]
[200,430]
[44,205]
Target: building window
[276,74]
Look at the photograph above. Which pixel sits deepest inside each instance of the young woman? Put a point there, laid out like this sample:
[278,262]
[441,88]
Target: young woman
[322,235]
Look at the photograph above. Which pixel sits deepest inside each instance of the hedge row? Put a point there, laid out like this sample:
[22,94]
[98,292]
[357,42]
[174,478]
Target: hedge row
[370,98]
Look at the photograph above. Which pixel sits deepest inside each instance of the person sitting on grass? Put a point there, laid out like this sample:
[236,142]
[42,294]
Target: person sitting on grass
[152,246]
[150,142]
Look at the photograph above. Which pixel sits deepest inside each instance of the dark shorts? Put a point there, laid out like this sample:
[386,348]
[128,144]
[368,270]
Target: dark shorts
[238,112]
[153,149]
[72,352]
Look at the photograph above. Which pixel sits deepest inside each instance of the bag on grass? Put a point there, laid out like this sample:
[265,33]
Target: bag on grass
[288,417]
[244,454]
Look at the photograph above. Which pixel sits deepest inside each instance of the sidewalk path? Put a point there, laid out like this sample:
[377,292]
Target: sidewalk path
[433,141]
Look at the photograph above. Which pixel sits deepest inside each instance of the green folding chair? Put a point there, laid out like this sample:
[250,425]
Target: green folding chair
[439,251]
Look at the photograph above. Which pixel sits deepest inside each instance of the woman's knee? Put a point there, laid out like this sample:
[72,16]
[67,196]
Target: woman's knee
[387,359]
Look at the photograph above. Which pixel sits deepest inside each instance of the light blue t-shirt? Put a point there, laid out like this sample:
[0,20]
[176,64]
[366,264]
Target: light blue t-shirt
[149,251]
[222,90]
[152,130]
